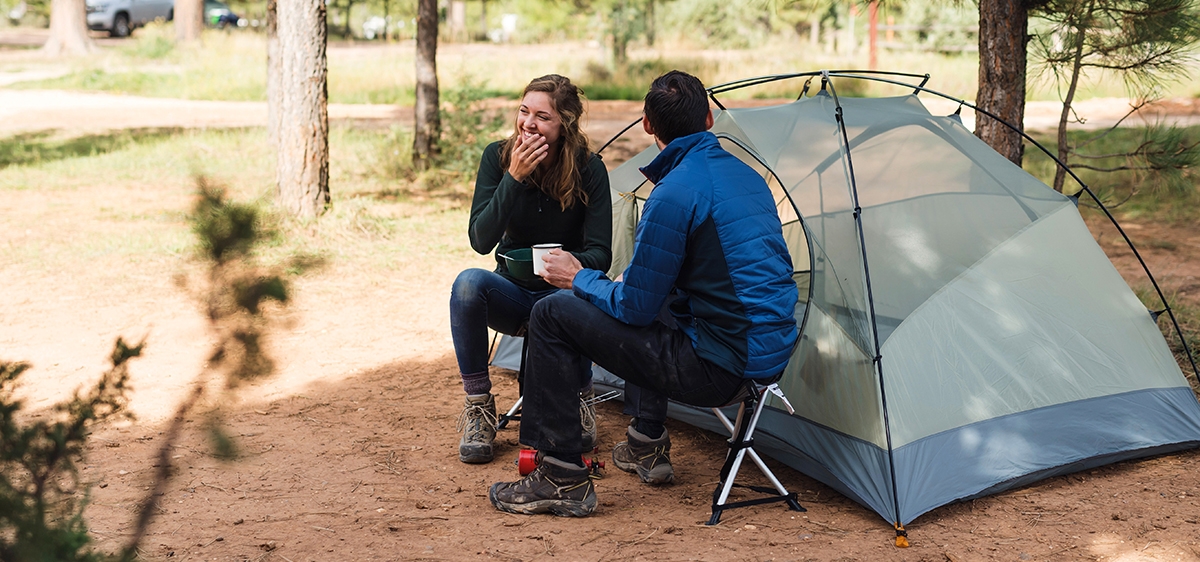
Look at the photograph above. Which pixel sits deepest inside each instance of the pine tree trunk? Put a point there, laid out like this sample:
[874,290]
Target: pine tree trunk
[68,29]
[189,20]
[274,75]
[302,161]
[1002,41]
[426,123]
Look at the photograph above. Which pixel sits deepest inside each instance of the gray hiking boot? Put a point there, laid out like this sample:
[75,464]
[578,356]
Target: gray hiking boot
[649,458]
[555,487]
[587,415]
[478,424]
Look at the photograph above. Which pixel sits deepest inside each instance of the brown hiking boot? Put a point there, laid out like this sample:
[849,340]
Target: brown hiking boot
[649,458]
[556,487]
[478,424]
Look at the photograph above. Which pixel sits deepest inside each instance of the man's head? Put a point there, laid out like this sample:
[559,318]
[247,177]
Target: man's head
[676,106]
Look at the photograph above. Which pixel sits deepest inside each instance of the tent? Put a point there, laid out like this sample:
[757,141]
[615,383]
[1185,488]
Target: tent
[962,333]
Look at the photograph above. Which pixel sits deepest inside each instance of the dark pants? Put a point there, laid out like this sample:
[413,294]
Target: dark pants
[481,299]
[658,359]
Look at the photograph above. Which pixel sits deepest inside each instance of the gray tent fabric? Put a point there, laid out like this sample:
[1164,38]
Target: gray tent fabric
[961,331]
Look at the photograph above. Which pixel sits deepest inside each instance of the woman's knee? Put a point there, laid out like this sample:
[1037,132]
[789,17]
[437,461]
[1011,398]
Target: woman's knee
[470,287]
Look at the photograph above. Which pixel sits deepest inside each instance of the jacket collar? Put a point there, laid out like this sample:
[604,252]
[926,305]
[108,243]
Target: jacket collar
[673,154]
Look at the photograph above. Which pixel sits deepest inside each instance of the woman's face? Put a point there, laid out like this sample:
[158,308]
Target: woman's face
[538,117]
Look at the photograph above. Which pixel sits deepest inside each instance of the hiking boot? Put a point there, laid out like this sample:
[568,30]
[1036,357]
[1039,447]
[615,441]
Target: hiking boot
[649,458]
[555,486]
[587,415]
[478,424]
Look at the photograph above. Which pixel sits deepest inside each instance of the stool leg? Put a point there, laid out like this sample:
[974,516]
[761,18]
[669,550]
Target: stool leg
[511,415]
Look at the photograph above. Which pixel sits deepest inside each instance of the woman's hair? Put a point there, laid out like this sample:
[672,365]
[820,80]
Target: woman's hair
[561,181]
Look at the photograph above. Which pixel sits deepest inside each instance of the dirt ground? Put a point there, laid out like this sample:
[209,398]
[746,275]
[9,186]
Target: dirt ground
[349,452]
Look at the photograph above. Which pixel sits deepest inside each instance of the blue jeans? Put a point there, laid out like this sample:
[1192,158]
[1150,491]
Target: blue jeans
[482,299]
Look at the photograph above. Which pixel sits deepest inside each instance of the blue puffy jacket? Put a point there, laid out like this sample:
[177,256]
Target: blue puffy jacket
[709,233]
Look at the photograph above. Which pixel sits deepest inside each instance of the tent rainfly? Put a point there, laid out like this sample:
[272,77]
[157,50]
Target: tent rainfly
[961,331]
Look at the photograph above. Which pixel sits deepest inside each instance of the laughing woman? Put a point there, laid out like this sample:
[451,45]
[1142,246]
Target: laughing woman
[539,186]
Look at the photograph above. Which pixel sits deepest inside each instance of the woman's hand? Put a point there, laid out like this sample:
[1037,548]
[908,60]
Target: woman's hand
[526,155]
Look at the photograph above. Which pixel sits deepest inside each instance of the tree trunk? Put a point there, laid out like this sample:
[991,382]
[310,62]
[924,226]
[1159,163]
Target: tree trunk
[68,29]
[1060,174]
[651,30]
[483,30]
[302,161]
[1002,42]
[427,125]
[274,75]
[189,20]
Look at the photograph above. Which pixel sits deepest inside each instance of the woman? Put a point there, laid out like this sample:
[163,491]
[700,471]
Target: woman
[541,185]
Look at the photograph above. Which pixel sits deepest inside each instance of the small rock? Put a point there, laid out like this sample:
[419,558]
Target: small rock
[750,527]
[805,536]
[1023,556]
[122,472]
[239,521]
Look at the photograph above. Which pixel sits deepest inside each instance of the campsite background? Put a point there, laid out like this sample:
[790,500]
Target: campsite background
[348,452]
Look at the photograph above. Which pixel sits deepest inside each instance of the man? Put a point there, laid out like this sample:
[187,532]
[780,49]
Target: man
[707,302]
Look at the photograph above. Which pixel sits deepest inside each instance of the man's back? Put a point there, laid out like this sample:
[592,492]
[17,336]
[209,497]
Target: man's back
[710,232]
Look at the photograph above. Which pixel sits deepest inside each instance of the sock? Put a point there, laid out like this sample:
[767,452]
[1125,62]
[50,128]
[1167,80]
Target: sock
[477,383]
[569,458]
[651,429]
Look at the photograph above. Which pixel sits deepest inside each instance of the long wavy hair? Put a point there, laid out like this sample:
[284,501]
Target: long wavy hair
[561,181]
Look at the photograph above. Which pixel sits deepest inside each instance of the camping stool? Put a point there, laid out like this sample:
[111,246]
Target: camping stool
[514,412]
[752,397]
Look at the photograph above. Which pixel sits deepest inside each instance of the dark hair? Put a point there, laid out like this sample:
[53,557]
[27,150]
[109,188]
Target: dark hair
[562,181]
[676,106]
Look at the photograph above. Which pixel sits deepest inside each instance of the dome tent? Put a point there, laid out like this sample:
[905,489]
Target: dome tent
[961,331]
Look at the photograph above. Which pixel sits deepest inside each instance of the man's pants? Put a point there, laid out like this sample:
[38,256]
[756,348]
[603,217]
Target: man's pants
[659,359]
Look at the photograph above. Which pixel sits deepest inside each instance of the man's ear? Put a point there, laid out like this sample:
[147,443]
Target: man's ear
[646,126]
[708,120]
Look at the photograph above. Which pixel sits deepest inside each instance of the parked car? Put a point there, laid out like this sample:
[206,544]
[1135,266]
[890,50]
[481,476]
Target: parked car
[217,14]
[120,17]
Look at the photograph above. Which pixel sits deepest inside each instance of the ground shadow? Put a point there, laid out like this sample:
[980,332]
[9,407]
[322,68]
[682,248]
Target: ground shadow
[48,146]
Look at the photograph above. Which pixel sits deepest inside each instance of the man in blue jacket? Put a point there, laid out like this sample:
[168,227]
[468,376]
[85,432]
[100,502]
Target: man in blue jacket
[707,302]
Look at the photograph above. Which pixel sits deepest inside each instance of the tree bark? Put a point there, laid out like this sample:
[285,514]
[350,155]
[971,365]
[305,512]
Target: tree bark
[1002,52]
[302,161]
[274,75]
[427,125]
[68,29]
[189,20]
[1060,174]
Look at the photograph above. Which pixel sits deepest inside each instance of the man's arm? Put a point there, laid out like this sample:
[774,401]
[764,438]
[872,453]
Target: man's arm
[658,253]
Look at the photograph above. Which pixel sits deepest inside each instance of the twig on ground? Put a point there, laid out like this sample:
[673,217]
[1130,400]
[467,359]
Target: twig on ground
[202,483]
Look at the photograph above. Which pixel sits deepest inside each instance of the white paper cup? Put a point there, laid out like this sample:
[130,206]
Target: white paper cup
[539,250]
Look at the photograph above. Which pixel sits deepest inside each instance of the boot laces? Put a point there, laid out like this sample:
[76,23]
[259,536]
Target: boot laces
[476,416]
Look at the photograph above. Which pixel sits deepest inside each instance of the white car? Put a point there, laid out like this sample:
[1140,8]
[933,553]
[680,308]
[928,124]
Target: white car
[120,17]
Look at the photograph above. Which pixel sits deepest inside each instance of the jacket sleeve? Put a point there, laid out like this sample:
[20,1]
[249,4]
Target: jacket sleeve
[597,222]
[658,252]
[495,194]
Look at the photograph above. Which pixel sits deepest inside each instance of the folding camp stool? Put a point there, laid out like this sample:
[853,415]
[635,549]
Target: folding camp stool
[752,398]
[514,412]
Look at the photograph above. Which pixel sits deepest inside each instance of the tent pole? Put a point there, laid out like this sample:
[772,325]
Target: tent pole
[878,359]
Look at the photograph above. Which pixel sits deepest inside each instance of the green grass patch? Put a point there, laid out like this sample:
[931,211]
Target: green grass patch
[125,197]
[1188,316]
[1135,194]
